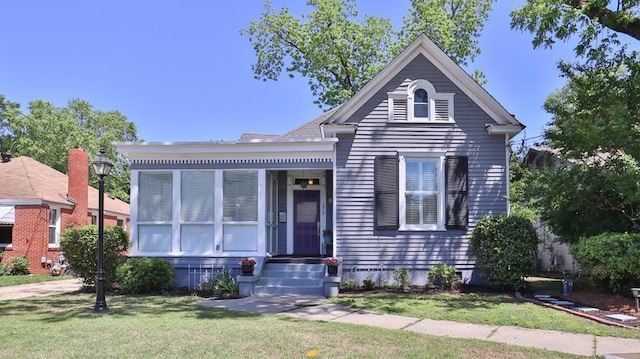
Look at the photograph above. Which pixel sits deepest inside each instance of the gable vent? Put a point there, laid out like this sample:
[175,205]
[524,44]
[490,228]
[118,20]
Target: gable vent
[441,110]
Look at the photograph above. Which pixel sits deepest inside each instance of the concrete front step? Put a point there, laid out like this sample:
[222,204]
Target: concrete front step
[279,278]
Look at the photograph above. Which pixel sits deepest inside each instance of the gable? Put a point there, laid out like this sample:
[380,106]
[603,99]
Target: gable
[438,69]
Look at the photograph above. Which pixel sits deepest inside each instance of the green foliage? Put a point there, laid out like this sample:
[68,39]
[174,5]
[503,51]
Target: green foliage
[610,260]
[5,269]
[19,266]
[80,246]
[455,25]
[505,248]
[350,283]
[368,284]
[223,285]
[145,275]
[47,132]
[339,52]
[401,278]
[443,276]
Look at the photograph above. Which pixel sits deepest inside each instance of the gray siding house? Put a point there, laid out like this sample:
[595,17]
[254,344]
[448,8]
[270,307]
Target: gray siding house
[400,174]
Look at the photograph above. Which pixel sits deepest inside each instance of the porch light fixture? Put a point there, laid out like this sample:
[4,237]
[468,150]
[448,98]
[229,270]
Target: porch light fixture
[102,167]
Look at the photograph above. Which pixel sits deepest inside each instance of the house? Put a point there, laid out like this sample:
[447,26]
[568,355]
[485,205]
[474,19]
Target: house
[400,174]
[37,203]
[553,255]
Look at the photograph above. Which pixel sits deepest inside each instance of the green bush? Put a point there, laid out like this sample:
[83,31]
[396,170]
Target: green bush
[80,245]
[5,269]
[19,266]
[350,283]
[223,285]
[443,276]
[401,277]
[610,260]
[368,284]
[505,248]
[145,275]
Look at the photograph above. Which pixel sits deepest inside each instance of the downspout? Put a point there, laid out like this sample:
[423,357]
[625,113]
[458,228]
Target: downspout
[507,171]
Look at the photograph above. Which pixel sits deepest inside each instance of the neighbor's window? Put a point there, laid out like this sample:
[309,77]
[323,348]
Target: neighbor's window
[53,226]
[155,199]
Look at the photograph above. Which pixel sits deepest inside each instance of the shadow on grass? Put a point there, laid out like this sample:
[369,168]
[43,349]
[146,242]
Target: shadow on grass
[61,308]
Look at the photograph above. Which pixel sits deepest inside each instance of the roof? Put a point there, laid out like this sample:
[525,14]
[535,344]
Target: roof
[24,180]
[427,48]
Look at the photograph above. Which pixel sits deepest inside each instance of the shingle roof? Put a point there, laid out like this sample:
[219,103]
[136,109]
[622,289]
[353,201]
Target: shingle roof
[310,129]
[23,178]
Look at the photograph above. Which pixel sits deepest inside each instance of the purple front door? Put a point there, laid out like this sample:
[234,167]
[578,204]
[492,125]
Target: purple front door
[306,222]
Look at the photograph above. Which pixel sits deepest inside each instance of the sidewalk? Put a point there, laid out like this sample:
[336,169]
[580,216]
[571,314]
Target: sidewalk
[40,289]
[319,308]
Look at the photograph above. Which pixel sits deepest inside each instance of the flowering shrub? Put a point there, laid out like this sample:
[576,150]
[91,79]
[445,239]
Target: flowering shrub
[248,262]
[332,261]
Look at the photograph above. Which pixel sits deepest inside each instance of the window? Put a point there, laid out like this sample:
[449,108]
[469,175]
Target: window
[197,211]
[5,235]
[421,191]
[240,210]
[420,102]
[54,219]
[155,198]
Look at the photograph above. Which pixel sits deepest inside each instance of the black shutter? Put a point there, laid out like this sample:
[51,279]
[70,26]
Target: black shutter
[457,169]
[386,192]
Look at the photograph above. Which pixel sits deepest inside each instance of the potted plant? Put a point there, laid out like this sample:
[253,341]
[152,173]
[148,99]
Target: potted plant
[247,265]
[332,265]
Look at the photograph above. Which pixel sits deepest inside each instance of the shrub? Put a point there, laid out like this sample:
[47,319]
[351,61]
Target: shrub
[443,276]
[4,269]
[610,260]
[369,284]
[19,266]
[505,248]
[223,285]
[401,277]
[145,275]
[80,245]
[350,283]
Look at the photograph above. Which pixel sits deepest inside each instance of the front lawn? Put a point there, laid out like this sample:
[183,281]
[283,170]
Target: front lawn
[483,308]
[163,326]
[8,280]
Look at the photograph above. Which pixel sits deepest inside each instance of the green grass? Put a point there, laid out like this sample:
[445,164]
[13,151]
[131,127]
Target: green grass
[9,280]
[483,308]
[157,326]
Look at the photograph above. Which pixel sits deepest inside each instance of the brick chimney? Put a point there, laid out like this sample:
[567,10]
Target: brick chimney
[78,187]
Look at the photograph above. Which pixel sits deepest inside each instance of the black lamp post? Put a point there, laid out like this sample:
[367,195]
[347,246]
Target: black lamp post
[102,167]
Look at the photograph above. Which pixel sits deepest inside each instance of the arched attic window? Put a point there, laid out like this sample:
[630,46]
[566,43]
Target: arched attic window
[420,102]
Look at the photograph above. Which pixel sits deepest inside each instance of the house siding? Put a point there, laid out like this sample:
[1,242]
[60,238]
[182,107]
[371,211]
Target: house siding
[359,243]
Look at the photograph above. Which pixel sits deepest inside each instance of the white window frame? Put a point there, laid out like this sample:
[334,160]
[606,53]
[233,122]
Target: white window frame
[440,224]
[433,98]
[55,225]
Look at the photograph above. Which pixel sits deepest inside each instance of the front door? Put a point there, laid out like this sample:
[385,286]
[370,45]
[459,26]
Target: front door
[306,222]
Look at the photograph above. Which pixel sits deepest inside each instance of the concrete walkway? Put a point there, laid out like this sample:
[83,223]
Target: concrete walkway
[318,308]
[40,289]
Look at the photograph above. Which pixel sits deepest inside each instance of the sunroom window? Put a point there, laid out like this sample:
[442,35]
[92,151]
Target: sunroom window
[155,211]
[240,210]
[197,211]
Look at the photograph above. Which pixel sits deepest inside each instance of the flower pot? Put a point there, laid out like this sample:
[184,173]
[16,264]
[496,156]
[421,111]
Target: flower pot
[247,270]
[332,270]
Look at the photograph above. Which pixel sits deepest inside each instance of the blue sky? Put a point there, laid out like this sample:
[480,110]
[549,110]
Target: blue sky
[181,71]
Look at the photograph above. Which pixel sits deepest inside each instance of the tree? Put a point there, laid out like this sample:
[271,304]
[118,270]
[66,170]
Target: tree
[47,132]
[338,52]
[551,20]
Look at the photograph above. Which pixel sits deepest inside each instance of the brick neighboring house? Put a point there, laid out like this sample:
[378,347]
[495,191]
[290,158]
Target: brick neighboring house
[37,203]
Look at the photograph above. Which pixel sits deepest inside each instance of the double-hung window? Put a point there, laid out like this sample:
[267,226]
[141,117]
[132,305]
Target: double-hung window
[54,228]
[422,197]
[197,212]
[155,211]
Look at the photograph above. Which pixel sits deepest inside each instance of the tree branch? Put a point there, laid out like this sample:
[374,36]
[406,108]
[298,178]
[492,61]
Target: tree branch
[619,21]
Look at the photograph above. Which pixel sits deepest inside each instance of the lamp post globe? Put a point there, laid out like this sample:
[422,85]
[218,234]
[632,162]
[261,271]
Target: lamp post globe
[102,167]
